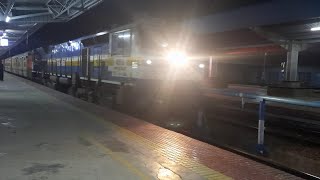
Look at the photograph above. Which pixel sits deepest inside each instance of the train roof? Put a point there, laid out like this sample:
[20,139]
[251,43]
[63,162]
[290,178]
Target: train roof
[141,21]
[144,21]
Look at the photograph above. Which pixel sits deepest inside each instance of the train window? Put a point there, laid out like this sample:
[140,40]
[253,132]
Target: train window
[121,43]
[102,39]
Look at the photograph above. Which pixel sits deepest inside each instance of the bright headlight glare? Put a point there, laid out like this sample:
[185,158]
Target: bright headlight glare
[149,61]
[177,58]
[164,45]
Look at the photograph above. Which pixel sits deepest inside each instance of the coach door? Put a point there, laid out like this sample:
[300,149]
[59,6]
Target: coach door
[85,58]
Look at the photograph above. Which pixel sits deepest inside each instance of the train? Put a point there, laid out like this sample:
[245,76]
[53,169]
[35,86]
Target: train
[136,67]
[141,68]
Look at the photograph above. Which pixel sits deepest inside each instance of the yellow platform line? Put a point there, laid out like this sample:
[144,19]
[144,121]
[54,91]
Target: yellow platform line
[116,157]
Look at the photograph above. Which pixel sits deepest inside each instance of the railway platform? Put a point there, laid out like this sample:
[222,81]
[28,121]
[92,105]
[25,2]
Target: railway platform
[45,134]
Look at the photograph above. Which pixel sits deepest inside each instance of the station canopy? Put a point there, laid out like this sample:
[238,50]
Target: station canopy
[273,23]
[20,18]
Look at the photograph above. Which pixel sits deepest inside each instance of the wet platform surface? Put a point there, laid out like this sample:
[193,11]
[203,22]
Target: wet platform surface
[45,134]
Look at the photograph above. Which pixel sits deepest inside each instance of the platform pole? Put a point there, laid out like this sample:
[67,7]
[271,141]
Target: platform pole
[200,118]
[260,146]
[292,62]
[243,102]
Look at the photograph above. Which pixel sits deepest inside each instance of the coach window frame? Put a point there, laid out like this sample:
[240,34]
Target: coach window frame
[56,60]
[79,61]
[60,73]
[71,59]
[51,64]
[65,63]
[99,65]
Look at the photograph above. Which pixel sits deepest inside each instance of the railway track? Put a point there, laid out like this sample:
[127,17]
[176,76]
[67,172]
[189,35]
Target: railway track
[303,132]
[301,125]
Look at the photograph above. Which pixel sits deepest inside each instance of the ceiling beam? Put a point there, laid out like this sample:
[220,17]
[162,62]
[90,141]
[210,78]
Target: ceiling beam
[26,17]
[9,7]
[62,8]
[312,41]
[24,36]
[15,31]
[70,9]
[310,36]
[12,38]
[38,19]
[44,17]
[245,46]
[4,26]
[30,8]
[3,48]
[30,15]
[274,37]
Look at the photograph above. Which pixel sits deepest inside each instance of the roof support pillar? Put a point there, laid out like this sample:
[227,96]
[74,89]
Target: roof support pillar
[292,62]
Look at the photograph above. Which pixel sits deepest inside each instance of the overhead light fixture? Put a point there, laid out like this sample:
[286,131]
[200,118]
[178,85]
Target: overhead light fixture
[101,33]
[74,45]
[8,19]
[124,36]
[315,29]
[4,42]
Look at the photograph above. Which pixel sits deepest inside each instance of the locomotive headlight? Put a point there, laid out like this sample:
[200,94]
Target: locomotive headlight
[177,57]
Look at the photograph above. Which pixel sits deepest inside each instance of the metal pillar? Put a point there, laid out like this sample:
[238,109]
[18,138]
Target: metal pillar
[210,67]
[260,146]
[243,102]
[119,96]
[292,62]
[264,74]
[213,68]
[200,119]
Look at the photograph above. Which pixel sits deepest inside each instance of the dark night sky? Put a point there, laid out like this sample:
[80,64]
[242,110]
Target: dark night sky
[117,12]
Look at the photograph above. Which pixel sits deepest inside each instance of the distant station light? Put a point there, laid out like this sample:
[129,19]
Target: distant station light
[164,45]
[75,46]
[101,33]
[201,66]
[149,61]
[124,36]
[315,29]
[8,19]
[4,42]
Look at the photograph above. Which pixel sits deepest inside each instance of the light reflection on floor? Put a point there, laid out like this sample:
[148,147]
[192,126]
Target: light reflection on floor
[166,174]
